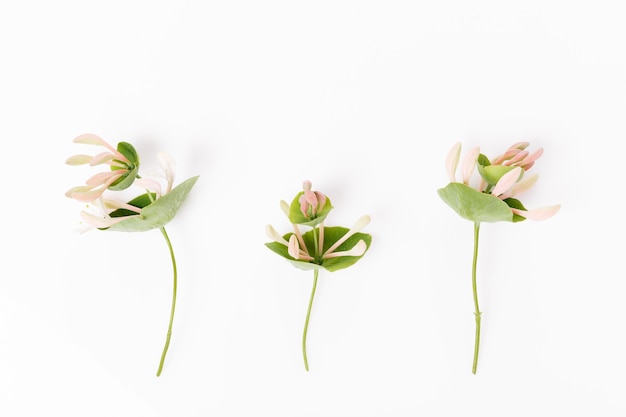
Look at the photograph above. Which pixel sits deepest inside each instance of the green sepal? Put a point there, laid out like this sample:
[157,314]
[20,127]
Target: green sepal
[516,204]
[126,180]
[153,214]
[331,235]
[491,173]
[296,216]
[474,205]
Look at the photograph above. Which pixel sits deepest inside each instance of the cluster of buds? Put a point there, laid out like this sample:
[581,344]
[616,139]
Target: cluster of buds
[322,246]
[501,181]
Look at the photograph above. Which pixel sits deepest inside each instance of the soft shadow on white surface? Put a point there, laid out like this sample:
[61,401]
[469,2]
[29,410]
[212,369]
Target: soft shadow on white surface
[364,99]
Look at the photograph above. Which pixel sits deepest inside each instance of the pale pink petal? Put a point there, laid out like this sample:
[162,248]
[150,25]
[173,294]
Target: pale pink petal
[149,184]
[510,153]
[518,157]
[304,205]
[452,161]
[292,247]
[101,158]
[311,198]
[321,199]
[87,196]
[469,163]
[306,185]
[530,160]
[507,181]
[105,178]
[538,214]
[78,160]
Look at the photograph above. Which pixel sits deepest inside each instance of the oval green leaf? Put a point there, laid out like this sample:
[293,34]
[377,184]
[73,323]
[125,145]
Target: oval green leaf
[159,213]
[331,235]
[474,205]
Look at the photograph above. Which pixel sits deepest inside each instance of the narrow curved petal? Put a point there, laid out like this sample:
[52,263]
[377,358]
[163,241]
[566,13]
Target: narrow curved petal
[101,222]
[519,187]
[105,178]
[357,227]
[284,206]
[507,181]
[78,160]
[529,161]
[274,235]
[520,145]
[90,139]
[358,250]
[78,189]
[516,158]
[538,214]
[87,196]
[452,161]
[468,164]
[101,158]
[292,247]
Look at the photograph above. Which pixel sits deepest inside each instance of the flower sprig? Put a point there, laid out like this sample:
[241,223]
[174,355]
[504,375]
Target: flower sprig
[152,209]
[321,247]
[493,199]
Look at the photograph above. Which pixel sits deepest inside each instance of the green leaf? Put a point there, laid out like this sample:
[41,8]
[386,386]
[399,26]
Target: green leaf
[474,205]
[491,173]
[296,216]
[127,180]
[331,235]
[516,204]
[157,214]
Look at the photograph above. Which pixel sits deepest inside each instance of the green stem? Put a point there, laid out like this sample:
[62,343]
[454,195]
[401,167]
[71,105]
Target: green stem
[169,328]
[306,322]
[476,308]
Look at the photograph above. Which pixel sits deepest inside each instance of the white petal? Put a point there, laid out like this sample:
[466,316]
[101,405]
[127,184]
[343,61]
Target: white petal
[358,250]
[274,235]
[452,161]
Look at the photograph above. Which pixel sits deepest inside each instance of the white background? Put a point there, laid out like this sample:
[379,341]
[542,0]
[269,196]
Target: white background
[364,99]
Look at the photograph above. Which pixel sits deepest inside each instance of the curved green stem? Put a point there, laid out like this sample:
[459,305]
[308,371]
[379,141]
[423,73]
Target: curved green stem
[476,308]
[306,322]
[169,328]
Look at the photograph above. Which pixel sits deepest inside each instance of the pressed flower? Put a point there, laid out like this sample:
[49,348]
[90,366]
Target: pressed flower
[321,247]
[152,209]
[494,199]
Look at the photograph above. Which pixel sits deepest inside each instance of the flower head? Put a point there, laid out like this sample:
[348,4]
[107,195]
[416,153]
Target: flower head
[123,165]
[152,209]
[501,180]
[331,248]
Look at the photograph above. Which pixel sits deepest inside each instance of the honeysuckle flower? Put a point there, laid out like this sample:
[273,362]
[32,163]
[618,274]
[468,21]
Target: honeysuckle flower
[123,162]
[321,247]
[152,209]
[494,198]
